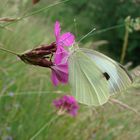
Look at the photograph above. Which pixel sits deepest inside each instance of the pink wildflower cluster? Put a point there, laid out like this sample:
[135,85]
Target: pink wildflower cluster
[66,104]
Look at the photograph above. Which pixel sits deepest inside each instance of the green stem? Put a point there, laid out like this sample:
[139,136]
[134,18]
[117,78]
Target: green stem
[43,127]
[9,51]
[125,44]
[35,12]
[44,8]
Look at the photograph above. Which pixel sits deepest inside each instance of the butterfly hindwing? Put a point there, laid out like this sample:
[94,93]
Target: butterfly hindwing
[89,86]
[119,78]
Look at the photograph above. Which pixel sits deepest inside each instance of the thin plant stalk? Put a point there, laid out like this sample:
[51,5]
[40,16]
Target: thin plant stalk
[34,13]
[125,45]
[43,127]
[9,51]
[125,106]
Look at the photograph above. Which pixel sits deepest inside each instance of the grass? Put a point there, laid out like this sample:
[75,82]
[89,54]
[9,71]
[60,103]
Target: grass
[26,95]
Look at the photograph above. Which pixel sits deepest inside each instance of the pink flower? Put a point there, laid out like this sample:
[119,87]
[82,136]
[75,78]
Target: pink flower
[59,73]
[66,104]
[60,69]
[64,40]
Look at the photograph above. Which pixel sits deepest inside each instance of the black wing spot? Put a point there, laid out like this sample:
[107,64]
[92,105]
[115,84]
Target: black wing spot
[106,75]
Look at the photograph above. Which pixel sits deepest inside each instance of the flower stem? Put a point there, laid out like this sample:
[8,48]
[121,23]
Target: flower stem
[128,29]
[125,44]
[35,12]
[125,106]
[9,51]
[43,127]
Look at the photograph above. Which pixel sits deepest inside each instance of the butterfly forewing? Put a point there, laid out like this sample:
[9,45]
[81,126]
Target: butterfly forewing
[119,78]
[89,86]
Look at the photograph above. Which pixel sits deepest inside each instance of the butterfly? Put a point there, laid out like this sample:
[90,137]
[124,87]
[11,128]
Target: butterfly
[94,77]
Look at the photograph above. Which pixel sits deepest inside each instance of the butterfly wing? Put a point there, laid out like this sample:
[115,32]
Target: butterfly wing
[89,86]
[118,77]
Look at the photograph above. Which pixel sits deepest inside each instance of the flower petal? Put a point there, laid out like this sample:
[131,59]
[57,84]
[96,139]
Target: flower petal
[66,39]
[54,78]
[67,104]
[60,74]
[57,30]
[60,54]
[74,112]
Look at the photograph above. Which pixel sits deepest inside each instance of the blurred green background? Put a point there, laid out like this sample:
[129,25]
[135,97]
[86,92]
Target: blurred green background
[26,92]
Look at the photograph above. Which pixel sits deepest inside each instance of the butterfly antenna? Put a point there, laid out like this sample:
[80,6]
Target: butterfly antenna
[86,35]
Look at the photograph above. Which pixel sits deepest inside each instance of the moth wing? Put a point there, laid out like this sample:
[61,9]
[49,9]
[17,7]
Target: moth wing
[89,86]
[119,78]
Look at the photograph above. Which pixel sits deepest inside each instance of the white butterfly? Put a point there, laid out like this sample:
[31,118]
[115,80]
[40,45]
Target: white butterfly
[94,77]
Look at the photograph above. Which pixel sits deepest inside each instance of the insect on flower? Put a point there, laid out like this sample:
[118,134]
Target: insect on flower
[93,76]
[66,104]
